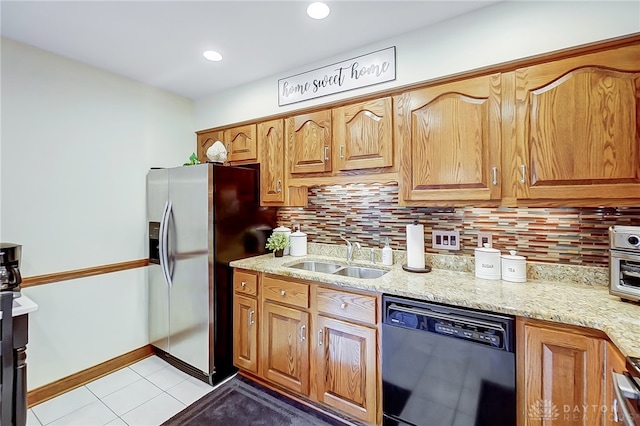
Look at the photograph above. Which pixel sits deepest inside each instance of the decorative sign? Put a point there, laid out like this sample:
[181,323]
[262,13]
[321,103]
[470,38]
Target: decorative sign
[366,70]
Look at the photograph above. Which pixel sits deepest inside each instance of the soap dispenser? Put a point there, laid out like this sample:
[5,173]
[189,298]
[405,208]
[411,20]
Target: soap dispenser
[387,254]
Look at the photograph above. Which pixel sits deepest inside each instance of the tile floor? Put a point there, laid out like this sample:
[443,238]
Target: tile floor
[145,393]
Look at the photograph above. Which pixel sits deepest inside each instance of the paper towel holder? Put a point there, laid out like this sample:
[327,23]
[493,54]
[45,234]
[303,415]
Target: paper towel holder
[418,270]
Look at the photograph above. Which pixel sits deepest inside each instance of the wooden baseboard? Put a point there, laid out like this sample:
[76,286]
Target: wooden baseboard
[46,392]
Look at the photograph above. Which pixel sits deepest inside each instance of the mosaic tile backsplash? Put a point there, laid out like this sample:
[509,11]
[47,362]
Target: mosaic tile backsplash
[370,213]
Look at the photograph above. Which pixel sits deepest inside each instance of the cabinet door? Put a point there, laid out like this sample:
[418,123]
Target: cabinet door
[615,363]
[245,343]
[563,378]
[205,140]
[362,135]
[271,142]
[285,347]
[450,137]
[577,122]
[346,367]
[309,142]
[241,143]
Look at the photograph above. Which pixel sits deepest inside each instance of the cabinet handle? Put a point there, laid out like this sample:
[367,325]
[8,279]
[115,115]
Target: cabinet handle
[326,153]
[251,322]
[341,148]
[302,333]
[319,337]
[278,186]
[616,419]
[282,293]
[226,146]
[343,305]
[523,168]
[243,284]
[495,176]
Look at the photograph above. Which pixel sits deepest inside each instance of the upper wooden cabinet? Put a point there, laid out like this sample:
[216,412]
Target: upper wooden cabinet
[205,140]
[309,142]
[363,135]
[271,143]
[450,137]
[577,127]
[274,190]
[241,143]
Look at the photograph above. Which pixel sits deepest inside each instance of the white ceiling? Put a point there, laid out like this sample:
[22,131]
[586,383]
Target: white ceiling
[161,42]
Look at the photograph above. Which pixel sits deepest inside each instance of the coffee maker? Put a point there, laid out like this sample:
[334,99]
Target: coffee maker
[12,379]
[10,277]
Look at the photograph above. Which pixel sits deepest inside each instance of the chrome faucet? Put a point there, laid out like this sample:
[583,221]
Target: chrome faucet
[351,248]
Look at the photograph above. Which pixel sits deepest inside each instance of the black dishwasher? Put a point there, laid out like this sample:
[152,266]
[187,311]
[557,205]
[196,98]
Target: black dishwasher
[444,365]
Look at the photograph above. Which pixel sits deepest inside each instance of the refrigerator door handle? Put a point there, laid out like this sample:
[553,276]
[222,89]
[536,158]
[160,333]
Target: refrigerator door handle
[164,243]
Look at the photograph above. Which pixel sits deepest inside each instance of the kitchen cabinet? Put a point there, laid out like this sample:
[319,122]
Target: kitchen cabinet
[345,353]
[576,129]
[561,375]
[616,362]
[450,136]
[363,135]
[205,140]
[309,142]
[285,326]
[245,320]
[274,190]
[241,143]
[318,342]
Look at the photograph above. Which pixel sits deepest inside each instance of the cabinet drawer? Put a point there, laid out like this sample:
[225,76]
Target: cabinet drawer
[245,283]
[353,306]
[291,293]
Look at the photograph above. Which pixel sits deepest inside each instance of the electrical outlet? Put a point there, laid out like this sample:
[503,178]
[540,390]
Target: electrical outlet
[445,240]
[485,238]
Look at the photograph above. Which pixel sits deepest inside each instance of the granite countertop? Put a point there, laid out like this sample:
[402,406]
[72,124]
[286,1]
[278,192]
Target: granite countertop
[563,302]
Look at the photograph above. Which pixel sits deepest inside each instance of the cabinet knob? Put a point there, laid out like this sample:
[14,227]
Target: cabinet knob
[282,292]
[243,284]
[343,305]
[326,153]
[279,186]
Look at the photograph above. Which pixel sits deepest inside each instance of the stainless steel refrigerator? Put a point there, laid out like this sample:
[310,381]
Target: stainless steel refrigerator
[200,218]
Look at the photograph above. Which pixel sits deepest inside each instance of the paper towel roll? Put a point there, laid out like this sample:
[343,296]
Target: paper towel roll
[415,246]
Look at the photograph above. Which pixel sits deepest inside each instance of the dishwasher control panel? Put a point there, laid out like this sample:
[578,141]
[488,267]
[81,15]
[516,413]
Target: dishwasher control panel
[484,328]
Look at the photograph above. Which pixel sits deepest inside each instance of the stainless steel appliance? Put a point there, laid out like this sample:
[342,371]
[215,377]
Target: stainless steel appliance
[443,365]
[626,406]
[200,218]
[13,379]
[624,261]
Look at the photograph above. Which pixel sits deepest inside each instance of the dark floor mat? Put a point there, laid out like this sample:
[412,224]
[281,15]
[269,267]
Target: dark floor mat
[239,402]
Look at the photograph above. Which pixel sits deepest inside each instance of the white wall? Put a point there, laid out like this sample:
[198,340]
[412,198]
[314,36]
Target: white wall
[76,145]
[498,33]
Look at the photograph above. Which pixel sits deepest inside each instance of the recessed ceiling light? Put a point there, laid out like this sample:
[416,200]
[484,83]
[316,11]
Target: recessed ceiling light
[318,10]
[212,55]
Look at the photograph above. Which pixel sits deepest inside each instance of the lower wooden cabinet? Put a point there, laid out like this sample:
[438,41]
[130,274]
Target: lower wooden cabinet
[285,348]
[245,343]
[319,343]
[560,376]
[345,357]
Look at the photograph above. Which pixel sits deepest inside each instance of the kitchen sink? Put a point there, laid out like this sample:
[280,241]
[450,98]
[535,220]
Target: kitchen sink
[338,269]
[360,272]
[309,265]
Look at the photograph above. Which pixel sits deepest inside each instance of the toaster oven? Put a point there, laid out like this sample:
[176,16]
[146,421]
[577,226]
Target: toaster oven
[624,262]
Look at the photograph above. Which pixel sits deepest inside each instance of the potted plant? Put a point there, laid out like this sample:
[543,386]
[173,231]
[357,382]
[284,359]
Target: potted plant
[277,242]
